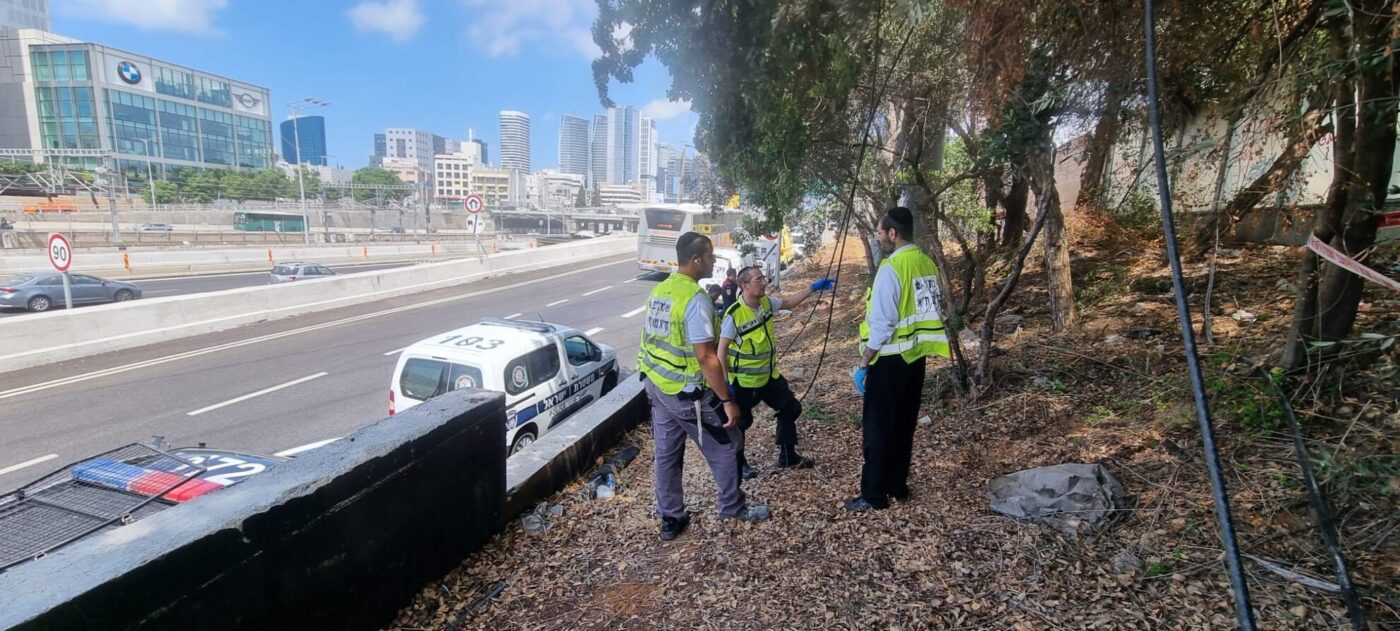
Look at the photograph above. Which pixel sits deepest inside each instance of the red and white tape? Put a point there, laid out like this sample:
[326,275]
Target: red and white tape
[1337,258]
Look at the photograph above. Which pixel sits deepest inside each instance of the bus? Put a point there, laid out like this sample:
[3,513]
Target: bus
[250,221]
[659,226]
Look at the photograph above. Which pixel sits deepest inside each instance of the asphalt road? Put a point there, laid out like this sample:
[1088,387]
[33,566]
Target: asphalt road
[333,369]
[184,285]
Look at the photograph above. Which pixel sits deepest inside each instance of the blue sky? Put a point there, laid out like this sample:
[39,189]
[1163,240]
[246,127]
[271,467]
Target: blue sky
[441,65]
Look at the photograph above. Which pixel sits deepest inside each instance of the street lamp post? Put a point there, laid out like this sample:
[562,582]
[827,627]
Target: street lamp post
[297,107]
[150,173]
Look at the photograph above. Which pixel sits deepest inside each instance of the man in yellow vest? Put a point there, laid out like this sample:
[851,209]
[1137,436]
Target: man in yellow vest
[689,397]
[747,343]
[902,326]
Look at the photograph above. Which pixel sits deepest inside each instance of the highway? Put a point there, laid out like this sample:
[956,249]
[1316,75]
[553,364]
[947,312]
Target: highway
[288,384]
[184,285]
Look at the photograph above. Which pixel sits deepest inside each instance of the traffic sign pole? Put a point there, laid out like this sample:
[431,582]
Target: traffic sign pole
[61,258]
[67,292]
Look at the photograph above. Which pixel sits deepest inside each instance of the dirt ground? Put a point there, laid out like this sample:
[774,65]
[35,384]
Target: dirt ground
[945,560]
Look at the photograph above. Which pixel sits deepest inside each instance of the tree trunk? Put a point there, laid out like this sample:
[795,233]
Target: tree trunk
[1100,145]
[1063,315]
[1362,160]
[1013,227]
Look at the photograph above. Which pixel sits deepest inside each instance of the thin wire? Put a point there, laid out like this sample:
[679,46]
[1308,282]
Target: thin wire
[1233,564]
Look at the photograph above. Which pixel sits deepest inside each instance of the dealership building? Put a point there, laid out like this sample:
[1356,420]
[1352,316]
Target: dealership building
[60,93]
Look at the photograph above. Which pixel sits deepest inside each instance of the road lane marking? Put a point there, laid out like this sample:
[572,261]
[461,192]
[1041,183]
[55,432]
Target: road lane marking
[27,463]
[396,351]
[158,291]
[594,331]
[512,316]
[557,302]
[255,394]
[598,290]
[305,448]
[634,312]
[14,392]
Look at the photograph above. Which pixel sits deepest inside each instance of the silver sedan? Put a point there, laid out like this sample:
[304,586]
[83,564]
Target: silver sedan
[40,292]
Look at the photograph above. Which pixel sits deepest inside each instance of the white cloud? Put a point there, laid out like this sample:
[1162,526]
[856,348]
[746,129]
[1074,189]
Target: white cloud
[661,109]
[399,19]
[503,28]
[182,16]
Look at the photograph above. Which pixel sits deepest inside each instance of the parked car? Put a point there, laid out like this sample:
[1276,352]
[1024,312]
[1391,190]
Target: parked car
[547,371]
[155,227]
[40,292]
[291,271]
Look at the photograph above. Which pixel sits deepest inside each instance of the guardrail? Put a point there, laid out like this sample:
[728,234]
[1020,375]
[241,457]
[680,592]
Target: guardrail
[44,338]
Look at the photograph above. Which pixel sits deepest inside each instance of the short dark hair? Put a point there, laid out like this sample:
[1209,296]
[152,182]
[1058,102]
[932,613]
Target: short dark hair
[747,274]
[730,272]
[689,246]
[901,220]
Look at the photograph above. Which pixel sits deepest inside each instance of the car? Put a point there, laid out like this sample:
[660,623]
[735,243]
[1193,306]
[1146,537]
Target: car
[41,292]
[113,489]
[294,270]
[725,260]
[155,227]
[547,371]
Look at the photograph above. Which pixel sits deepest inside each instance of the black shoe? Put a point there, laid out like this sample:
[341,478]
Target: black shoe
[794,460]
[747,472]
[858,504]
[672,527]
[902,498]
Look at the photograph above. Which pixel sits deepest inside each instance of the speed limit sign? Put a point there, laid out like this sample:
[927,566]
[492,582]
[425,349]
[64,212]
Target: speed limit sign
[60,252]
[473,204]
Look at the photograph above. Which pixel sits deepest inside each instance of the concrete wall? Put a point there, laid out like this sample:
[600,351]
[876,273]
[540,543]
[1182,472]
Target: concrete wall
[339,538]
[44,338]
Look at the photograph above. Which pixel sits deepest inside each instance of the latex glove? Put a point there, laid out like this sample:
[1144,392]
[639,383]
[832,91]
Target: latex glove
[858,375]
[825,284]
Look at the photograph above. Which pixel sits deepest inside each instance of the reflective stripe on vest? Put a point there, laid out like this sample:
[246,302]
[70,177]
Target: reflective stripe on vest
[919,331]
[664,357]
[750,357]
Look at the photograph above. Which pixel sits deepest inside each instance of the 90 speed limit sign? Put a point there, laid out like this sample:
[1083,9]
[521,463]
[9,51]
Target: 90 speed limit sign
[473,204]
[60,252]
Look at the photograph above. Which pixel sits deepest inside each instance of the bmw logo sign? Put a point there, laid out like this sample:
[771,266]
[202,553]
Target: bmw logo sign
[129,72]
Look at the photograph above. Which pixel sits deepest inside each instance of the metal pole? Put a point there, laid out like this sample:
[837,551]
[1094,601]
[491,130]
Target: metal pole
[112,204]
[67,292]
[301,185]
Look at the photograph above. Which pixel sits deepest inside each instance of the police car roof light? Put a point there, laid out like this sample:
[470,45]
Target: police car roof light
[538,327]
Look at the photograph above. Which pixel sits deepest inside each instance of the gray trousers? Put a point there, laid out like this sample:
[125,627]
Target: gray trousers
[672,420]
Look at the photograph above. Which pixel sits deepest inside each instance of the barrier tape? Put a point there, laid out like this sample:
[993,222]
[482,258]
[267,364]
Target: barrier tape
[1350,264]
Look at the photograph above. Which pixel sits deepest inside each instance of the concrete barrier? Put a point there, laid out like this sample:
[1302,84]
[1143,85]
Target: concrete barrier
[568,451]
[339,538]
[43,338]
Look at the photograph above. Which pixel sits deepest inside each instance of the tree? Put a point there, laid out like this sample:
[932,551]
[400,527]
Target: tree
[581,200]
[238,186]
[166,192]
[203,187]
[377,176]
[272,184]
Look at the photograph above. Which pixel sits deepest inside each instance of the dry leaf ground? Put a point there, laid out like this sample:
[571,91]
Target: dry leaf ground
[944,561]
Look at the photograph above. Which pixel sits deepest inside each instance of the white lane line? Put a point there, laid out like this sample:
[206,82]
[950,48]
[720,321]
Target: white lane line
[396,351]
[512,316]
[256,394]
[305,448]
[594,331]
[634,312]
[557,302]
[274,336]
[27,463]
[149,292]
[598,290]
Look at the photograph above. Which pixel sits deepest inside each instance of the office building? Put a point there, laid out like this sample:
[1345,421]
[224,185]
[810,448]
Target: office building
[25,14]
[622,145]
[492,184]
[380,150]
[515,141]
[614,194]
[555,189]
[667,163]
[311,130]
[60,93]
[452,175]
[483,155]
[405,145]
[573,145]
[598,151]
[646,159]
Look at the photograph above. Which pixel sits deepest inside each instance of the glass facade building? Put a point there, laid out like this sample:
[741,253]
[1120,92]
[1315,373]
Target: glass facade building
[312,132]
[88,96]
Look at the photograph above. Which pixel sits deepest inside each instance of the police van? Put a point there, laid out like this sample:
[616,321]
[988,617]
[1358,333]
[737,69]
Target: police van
[547,371]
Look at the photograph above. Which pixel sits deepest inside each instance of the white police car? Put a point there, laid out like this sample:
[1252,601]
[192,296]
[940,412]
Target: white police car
[548,371]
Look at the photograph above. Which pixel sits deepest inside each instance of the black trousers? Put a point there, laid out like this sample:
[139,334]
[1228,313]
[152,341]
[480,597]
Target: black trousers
[893,390]
[775,394]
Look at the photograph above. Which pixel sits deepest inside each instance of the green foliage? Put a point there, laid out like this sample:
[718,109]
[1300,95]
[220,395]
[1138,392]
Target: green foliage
[203,187]
[166,192]
[377,176]
[20,168]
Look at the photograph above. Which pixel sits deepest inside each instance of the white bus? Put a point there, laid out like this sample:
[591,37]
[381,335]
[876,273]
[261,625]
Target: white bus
[661,224]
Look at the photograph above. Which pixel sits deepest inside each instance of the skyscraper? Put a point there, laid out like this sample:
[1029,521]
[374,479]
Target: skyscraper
[515,141]
[312,132]
[623,156]
[598,151]
[667,159]
[25,14]
[381,148]
[646,158]
[573,145]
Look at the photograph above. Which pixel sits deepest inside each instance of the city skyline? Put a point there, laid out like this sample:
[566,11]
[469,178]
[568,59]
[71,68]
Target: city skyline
[371,65]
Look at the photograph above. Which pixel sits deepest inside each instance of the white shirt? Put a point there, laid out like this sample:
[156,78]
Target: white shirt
[728,331]
[883,314]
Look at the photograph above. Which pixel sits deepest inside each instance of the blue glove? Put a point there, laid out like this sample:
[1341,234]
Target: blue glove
[825,284]
[859,376]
